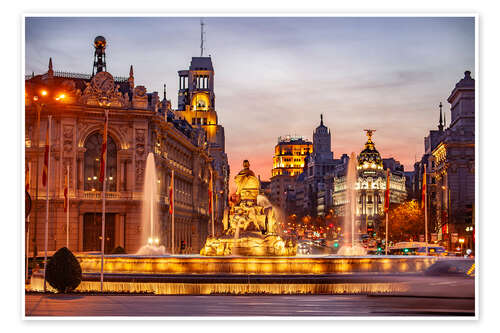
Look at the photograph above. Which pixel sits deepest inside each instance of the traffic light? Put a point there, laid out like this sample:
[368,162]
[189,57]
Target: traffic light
[406,250]
[336,244]
[183,245]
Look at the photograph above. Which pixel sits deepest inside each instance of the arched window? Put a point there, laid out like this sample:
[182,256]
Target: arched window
[92,163]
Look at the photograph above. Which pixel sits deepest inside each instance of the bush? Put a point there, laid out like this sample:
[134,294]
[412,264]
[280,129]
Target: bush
[63,271]
[118,250]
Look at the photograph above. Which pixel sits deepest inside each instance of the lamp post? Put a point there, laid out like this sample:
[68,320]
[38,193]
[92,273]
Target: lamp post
[448,208]
[461,241]
[104,103]
[38,106]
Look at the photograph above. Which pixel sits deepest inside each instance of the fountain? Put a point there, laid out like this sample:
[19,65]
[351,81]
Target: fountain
[251,226]
[149,219]
[351,246]
[251,256]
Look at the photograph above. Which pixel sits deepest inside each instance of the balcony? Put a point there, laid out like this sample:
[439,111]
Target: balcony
[96,195]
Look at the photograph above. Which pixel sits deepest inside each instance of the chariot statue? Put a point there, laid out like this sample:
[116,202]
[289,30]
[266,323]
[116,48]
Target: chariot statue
[248,228]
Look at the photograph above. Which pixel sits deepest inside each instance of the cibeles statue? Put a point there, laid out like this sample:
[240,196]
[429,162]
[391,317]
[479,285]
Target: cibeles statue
[249,228]
[247,185]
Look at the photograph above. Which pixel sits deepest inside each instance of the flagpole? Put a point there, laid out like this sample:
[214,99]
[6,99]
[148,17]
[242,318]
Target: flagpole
[47,209]
[67,206]
[386,231]
[27,222]
[173,211]
[425,210]
[386,204]
[103,218]
[27,247]
[212,202]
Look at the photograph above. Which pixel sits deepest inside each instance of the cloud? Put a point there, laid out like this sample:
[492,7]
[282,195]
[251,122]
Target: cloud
[275,76]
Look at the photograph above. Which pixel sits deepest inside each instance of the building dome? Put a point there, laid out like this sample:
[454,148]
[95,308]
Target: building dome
[370,157]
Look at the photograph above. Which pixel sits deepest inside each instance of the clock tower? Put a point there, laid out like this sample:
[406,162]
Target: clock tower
[196,99]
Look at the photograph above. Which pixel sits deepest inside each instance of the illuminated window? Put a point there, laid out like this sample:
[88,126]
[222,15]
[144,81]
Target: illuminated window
[92,163]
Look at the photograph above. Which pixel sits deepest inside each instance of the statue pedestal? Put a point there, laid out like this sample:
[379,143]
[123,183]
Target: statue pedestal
[249,244]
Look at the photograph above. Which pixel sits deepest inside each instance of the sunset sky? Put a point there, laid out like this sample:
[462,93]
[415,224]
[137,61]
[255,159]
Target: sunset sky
[275,76]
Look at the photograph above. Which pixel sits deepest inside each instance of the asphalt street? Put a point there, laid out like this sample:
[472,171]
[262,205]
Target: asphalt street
[242,306]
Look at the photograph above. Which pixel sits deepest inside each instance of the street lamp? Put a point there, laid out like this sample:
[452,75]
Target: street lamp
[461,241]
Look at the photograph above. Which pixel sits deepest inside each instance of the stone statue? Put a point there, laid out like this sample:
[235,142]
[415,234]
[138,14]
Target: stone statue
[247,185]
[249,228]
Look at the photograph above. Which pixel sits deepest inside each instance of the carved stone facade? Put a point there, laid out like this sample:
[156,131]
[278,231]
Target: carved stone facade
[452,162]
[137,127]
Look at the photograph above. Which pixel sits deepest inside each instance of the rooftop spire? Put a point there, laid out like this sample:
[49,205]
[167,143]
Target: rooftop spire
[321,116]
[50,72]
[440,126]
[164,91]
[202,46]
[131,73]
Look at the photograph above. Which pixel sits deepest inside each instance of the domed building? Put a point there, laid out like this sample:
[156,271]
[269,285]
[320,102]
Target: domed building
[370,186]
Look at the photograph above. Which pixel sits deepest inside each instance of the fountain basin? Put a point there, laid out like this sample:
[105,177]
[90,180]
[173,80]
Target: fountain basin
[196,264]
[198,275]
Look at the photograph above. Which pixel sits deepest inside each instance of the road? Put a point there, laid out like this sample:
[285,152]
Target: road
[229,306]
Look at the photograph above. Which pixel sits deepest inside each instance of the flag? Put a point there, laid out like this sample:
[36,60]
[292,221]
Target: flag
[66,184]
[424,186]
[103,150]
[171,194]
[27,178]
[210,194]
[387,192]
[46,158]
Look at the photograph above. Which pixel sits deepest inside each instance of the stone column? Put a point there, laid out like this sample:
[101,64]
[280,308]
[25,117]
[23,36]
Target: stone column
[80,181]
[80,232]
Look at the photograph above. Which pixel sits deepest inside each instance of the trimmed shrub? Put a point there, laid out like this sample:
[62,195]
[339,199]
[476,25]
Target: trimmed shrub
[63,271]
[118,250]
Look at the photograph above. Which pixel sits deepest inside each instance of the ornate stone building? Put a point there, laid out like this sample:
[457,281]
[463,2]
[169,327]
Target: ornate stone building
[453,161]
[370,186]
[139,124]
[196,104]
[320,164]
[288,162]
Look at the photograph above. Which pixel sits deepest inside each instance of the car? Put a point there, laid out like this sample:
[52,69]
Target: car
[432,250]
[303,248]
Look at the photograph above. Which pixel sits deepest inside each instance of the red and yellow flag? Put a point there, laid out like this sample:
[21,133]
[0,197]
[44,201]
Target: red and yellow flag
[424,186]
[171,194]
[45,172]
[66,185]
[387,192]
[27,178]
[104,150]
[210,194]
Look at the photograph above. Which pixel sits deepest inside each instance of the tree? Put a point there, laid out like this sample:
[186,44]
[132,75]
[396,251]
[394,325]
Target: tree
[406,221]
[63,271]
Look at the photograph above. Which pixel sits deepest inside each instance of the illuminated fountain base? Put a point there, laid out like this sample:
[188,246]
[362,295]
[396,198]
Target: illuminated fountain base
[249,244]
[152,250]
[198,275]
[355,250]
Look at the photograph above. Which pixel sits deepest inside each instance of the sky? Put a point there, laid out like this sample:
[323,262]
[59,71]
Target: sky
[274,76]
